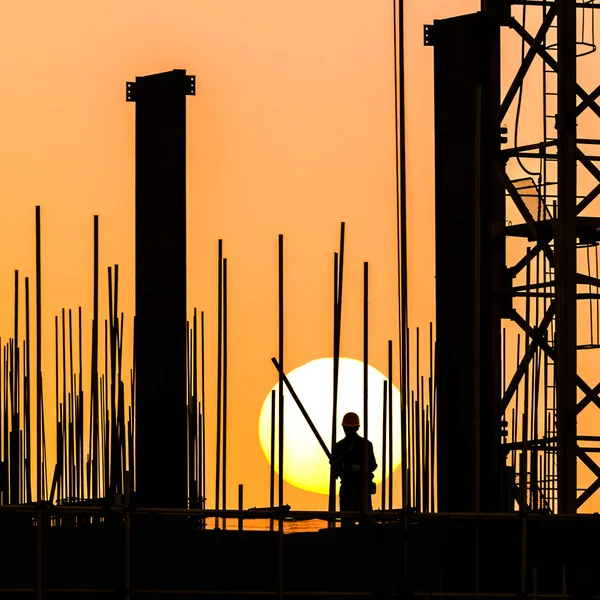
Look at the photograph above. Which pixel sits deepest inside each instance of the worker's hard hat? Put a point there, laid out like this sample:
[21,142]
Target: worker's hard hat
[351,420]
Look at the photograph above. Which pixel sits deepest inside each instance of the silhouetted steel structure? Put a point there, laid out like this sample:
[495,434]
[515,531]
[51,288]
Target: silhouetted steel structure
[523,454]
[160,250]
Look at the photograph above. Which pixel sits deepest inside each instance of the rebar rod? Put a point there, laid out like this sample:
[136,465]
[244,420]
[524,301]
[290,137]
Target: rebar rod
[332,479]
[38,352]
[383,446]
[417,428]
[365,471]
[27,399]
[219,375]
[272,461]
[338,282]
[202,370]
[224,387]
[198,454]
[280,557]
[390,388]
[15,460]
[94,408]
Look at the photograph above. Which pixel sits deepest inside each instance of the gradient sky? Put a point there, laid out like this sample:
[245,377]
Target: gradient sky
[291,131]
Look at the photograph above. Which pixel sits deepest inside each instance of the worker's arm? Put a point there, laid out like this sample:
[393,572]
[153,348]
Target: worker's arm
[337,465]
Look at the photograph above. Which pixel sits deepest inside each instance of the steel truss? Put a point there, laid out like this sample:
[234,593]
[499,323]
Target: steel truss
[541,442]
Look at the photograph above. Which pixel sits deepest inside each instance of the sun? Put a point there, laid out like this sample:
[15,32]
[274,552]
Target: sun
[305,465]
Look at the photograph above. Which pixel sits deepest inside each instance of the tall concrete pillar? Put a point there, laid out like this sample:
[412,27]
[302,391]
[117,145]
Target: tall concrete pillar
[160,286]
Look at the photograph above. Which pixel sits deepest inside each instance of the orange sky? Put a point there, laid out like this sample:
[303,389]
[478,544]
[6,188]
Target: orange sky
[291,131]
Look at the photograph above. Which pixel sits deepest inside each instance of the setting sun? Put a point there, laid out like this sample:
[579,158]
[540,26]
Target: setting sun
[305,465]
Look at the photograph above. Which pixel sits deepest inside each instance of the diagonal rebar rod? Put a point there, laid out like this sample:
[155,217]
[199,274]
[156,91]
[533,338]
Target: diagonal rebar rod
[301,407]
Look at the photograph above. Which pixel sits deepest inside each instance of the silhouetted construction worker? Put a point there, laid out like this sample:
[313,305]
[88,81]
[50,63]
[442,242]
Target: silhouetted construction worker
[347,463]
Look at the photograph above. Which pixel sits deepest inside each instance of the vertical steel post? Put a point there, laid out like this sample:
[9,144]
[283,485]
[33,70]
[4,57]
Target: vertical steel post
[280,582]
[202,371]
[38,350]
[390,389]
[219,378]
[566,259]
[338,282]
[384,447]
[336,364]
[198,449]
[272,469]
[399,98]
[15,458]
[240,506]
[27,497]
[94,443]
[365,472]
[224,389]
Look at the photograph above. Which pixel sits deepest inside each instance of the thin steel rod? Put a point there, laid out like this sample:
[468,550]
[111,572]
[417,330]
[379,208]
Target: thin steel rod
[272,462]
[202,369]
[28,497]
[365,471]
[198,453]
[406,436]
[524,434]
[401,220]
[240,506]
[38,355]
[189,358]
[224,387]
[71,440]
[280,557]
[15,459]
[64,469]
[332,479]
[219,375]
[431,429]
[390,388]
[337,327]
[81,421]
[94,432]
[56,379]
[384,446]
[417,428]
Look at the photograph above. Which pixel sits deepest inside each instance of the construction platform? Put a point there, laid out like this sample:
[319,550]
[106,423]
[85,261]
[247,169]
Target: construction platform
[162,554]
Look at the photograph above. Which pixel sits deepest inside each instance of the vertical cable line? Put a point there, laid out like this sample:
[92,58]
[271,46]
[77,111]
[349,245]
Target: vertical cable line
[400,139]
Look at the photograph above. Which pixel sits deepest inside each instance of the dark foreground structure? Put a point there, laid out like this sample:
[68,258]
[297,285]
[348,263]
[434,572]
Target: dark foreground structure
[153,555]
